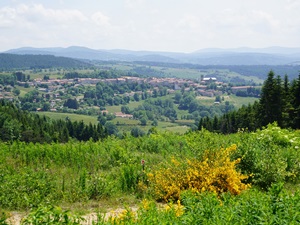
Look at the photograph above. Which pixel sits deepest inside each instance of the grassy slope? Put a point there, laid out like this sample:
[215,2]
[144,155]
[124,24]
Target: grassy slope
[73,117]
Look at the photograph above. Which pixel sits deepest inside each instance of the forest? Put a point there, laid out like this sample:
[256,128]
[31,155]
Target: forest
[19,125]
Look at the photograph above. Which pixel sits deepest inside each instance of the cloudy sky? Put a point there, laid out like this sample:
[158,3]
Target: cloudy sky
[159,25]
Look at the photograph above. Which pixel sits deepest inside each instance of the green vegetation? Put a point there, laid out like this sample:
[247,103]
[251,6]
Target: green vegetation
[149,104]
[71,116]
[34,175]
[279,102]
[18,125]
[84,156]
[227,73]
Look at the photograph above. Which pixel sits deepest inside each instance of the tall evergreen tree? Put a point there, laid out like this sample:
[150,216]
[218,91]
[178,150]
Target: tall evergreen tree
[270,101]
[286,103]
[295,92]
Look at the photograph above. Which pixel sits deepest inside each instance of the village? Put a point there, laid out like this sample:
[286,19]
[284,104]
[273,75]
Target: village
[173,84]
[56,91]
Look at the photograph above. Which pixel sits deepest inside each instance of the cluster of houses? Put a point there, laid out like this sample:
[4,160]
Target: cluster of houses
[51,86]
[171,83]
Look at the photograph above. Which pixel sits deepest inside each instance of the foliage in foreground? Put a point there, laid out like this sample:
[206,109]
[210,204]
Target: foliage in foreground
[276,206]
[35,174]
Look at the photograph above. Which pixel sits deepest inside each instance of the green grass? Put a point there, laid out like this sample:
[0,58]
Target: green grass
[126,125]
[24,91]
[88,177]
[117,108]
[238,102]
[73,117]
[178,129]
[207,101]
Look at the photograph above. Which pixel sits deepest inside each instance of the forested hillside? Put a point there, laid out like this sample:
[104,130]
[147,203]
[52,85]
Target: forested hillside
[16,124]
[12,61]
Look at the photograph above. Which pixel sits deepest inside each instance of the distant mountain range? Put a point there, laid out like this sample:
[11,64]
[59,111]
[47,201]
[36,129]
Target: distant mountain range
[15,61]
[209,56]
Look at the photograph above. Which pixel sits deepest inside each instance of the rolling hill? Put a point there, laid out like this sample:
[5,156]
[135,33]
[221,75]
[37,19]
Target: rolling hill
[214,56]
[24,61]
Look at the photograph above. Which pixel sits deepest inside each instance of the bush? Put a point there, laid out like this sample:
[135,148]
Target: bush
[271,154]
[215,173]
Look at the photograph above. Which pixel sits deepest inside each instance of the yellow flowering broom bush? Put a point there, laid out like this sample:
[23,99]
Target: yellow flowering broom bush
[216,172]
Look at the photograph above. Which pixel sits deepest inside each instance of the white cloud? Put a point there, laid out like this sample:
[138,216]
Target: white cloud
[133,4]
[100,19]
[37,15]
[39,26]
[293,4]
[7,16]
[189,21]
[171,25]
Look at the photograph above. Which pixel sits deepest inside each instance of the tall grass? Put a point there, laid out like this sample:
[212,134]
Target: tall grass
[34,174]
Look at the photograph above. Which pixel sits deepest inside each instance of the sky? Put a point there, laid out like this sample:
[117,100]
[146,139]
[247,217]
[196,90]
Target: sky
[153,25]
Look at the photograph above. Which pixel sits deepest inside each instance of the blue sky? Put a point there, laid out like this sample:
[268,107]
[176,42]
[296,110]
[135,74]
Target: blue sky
[157,25]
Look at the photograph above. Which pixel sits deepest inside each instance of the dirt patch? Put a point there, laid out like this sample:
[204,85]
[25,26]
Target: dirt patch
[16,217]
[93,217]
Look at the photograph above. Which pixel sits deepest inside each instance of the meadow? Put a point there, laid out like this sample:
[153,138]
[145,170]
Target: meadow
[72,116]
[195,178]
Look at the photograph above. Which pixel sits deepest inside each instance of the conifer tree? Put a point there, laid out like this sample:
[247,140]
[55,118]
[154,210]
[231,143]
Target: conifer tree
[296,103]
[286,103]
[270,101]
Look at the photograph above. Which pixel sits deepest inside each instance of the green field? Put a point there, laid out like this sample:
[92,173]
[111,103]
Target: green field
[24,91]
[73,117]
[237,101]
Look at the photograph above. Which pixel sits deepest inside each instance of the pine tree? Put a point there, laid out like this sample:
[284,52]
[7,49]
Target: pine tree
[286,103]
[270,101]
[295,91]
[215,124]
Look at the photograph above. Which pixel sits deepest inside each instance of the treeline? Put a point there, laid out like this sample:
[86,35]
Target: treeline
[279,102]
[16,124]
[13,61]
[104,74]
[13,78]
